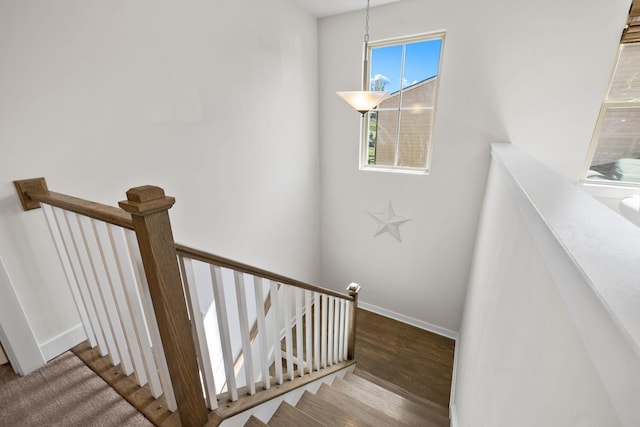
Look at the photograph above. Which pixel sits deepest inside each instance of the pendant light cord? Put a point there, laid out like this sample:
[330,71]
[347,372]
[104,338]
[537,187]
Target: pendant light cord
[365,54]
[366,25]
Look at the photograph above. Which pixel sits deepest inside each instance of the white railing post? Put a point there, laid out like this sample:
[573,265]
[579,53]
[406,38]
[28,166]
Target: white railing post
[287,331]
[316,330]
[241,300]
[297,293]
[199,333]
[308,323]
[262,332]
[225,338]
[276,322]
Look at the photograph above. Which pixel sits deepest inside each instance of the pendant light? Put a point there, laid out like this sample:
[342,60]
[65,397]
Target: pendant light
[364,100]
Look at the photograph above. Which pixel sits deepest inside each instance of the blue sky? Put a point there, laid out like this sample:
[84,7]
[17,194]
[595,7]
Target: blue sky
[421,62]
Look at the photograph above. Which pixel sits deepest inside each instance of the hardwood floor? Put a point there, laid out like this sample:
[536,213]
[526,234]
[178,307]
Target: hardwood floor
[416,360]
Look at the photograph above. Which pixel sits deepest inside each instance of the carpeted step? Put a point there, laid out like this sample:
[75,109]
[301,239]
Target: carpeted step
[327,412]
[404,411]
[288,416]
[437,408]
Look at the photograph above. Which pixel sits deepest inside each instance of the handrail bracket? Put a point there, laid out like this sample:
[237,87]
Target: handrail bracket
[26,186]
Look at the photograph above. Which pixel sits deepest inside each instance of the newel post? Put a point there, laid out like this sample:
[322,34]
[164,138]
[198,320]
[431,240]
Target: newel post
[353,290]
[149,209]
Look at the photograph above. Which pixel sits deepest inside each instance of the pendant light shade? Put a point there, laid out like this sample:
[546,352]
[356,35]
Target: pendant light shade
[364,100]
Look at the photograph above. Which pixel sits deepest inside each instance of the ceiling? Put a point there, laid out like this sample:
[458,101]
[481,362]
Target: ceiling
[321,8]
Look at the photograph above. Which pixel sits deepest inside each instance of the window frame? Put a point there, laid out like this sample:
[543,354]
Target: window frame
[364,131]
[607,105]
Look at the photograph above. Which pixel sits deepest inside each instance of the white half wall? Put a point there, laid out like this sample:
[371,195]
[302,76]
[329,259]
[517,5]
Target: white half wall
[550,330]
[511,71]
[216,102]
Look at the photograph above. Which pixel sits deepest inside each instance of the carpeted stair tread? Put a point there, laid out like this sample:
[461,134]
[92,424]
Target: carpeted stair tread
[288,416]
[404,411]
[327,412]
[360,374]
[359,409]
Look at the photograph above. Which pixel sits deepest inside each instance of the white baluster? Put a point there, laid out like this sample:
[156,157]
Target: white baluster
[276,322]
[286,308]
[94,252]
[74,257]
[225,338]
[342,327]
[109,280]
[116,275]
[316,330]
[308,323]
[152,325]
[336,329]
[330,342]
[262,332]
[245,332]
[198,331]
[325,329]
[65,259]
[134,302]
[299,328]
[89,274]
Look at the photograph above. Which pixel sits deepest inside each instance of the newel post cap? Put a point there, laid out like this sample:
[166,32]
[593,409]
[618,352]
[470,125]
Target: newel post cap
[353,289]
[146,200]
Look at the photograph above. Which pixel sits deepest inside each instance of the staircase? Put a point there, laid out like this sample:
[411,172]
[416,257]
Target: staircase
[357,401]
[190,337]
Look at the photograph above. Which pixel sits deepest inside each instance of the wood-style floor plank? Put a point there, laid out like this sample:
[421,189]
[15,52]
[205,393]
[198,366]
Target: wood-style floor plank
[330,414]
[357,408]
[416,360]
[394,405]
[288,416]
[254,422]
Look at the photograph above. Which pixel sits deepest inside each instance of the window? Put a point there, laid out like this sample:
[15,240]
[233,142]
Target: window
[616,142]
[397,134]
[615,147]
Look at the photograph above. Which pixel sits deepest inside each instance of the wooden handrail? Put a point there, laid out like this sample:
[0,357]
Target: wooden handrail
[245,268]
[32,192]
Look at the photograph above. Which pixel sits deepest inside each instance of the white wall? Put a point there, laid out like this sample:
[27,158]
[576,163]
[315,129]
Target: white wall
[214,101]
[528,72]
[522,361]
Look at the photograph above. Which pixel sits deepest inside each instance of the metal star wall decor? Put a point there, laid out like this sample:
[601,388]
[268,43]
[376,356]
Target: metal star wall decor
[388,222]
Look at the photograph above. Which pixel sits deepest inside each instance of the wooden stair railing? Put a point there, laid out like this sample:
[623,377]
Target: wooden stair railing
[88,242]
[323,321]
[137,294]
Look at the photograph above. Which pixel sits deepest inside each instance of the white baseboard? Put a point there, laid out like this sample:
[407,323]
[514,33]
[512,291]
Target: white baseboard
[454,416]
[454,378]
[63,342]
[409,320]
